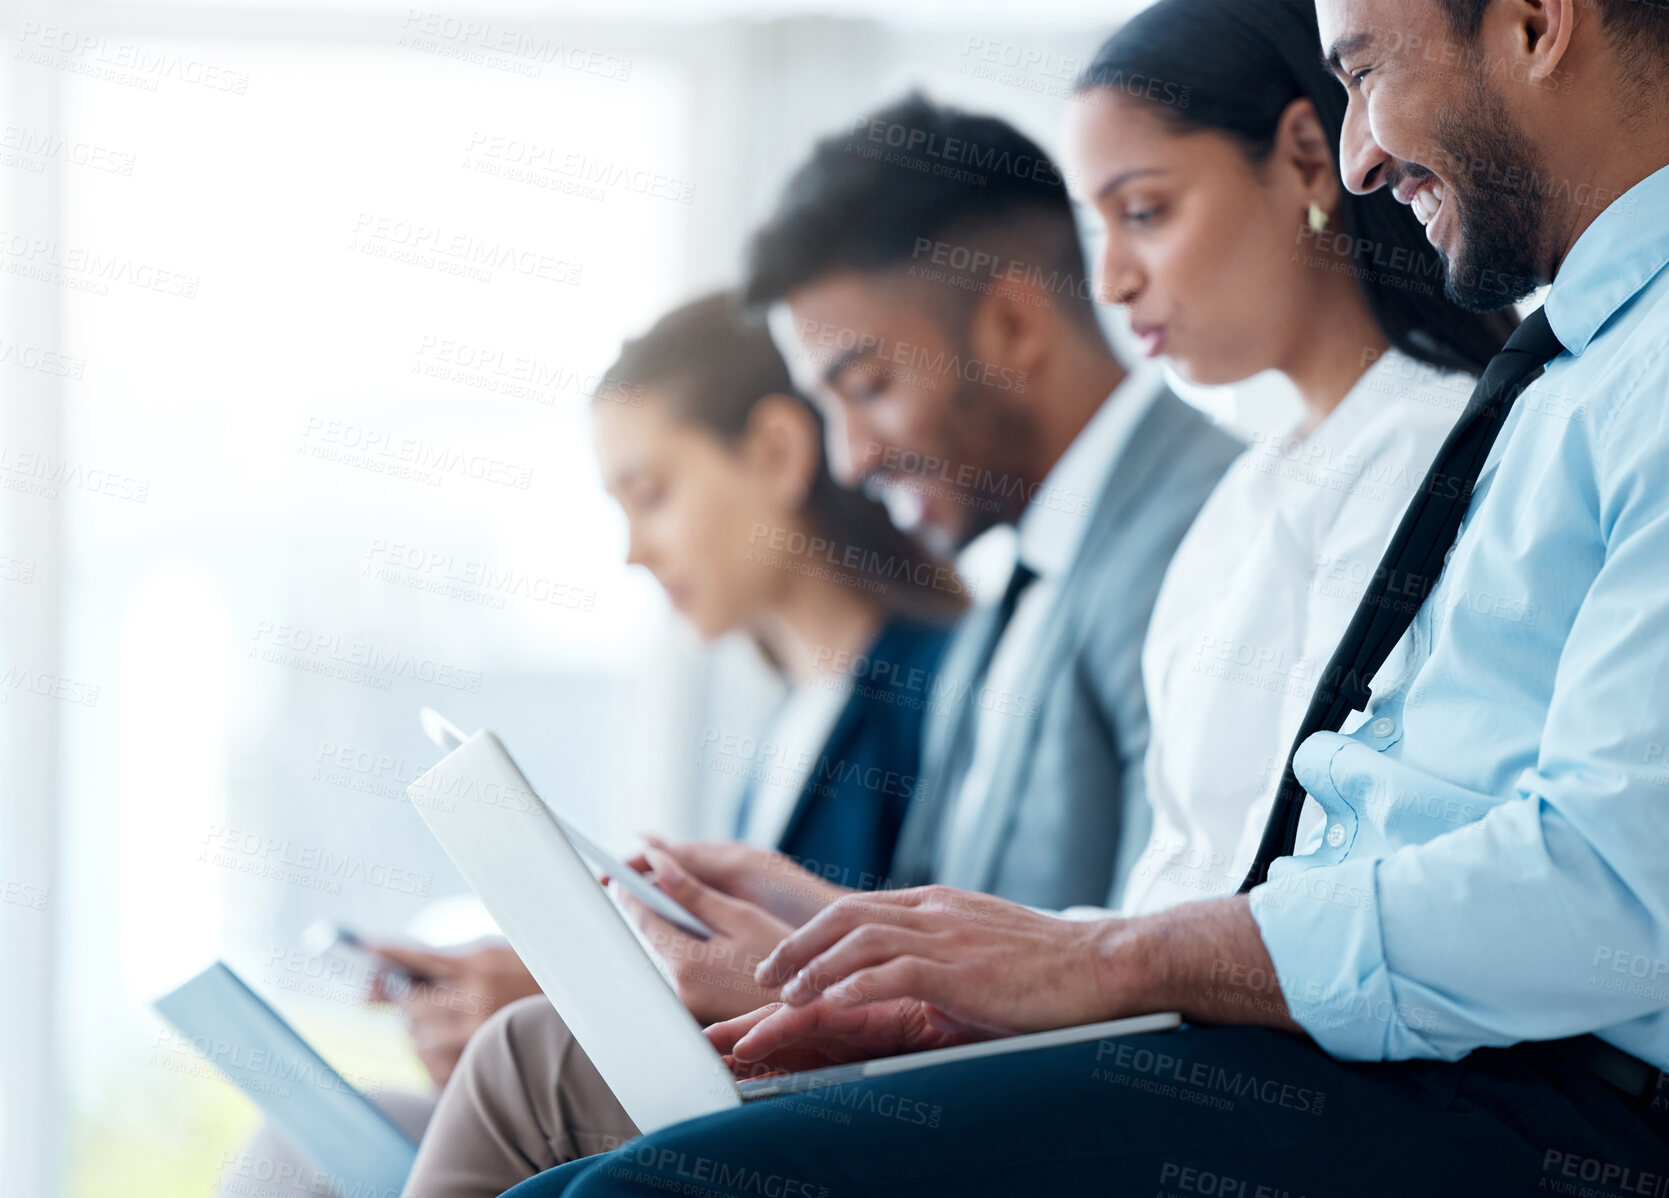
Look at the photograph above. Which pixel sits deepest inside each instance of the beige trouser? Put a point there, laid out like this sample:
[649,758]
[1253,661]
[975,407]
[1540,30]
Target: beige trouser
[523,1099]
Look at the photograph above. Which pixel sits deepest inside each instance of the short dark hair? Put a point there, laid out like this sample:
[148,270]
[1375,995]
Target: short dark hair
[917,181]
[1639,29]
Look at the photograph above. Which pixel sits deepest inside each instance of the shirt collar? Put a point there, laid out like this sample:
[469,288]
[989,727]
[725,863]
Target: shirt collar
[1393,373]
[1616,256]
[1054,521]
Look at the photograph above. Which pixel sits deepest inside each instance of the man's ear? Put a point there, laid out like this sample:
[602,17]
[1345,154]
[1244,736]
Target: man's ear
[782,442]
[1301,142]
[1537,34]
[1009,330]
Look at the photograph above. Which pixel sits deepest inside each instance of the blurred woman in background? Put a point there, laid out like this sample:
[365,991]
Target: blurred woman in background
[720,469]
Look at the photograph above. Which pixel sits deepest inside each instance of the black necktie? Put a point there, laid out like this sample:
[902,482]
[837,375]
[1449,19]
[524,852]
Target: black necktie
[1018,581]
[1409,569]
[953,766]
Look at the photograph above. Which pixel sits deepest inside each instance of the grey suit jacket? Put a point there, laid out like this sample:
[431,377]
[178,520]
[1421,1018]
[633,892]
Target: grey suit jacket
[1068,812]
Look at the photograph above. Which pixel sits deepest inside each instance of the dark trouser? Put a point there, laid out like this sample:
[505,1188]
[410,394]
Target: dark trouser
[1222,1112]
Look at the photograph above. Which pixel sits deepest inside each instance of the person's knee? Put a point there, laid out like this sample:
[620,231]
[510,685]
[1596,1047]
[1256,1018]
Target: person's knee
[509,1036]
[532,1025]
[526,1040]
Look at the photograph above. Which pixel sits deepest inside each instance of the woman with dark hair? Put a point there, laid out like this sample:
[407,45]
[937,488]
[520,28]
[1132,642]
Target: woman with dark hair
[1203,136]
[720,469]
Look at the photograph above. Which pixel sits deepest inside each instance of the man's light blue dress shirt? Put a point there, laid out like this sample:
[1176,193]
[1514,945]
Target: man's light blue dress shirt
[1495,862]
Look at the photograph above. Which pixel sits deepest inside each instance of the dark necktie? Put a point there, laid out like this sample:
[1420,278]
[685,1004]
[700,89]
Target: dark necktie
[955,763]
[923,841]
[1018,581]
[1409,569]
[956,837]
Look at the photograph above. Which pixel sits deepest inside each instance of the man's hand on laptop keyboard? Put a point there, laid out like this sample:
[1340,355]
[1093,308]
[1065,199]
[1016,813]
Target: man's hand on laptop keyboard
[986,962]
[769,880]
[714,978]
[784,1039]
[977,962]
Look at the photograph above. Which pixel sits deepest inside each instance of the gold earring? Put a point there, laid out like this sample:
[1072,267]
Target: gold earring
[1319,220]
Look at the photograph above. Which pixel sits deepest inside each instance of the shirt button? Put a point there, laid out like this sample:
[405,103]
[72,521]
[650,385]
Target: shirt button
[1383,726]
[1336,835]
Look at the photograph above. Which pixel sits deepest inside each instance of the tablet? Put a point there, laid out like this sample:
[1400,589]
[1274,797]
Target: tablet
[340,1132]
[641,887]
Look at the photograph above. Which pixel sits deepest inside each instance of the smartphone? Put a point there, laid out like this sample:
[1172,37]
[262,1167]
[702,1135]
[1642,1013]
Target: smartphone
[326,938]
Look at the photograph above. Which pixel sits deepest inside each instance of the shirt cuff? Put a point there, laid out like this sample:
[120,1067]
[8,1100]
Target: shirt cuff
[1321,927]
[1085,914]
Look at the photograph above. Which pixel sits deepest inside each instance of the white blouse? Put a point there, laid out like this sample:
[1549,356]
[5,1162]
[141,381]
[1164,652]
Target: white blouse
[1251,609]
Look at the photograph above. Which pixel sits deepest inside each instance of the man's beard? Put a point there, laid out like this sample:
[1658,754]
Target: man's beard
[1497,193]
[993,494]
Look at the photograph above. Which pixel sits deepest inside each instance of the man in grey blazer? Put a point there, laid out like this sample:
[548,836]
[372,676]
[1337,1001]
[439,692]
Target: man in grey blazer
[926,284]
[928,289]
[1064,816]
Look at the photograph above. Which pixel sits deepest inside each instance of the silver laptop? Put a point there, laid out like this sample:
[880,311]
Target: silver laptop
[579,947]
